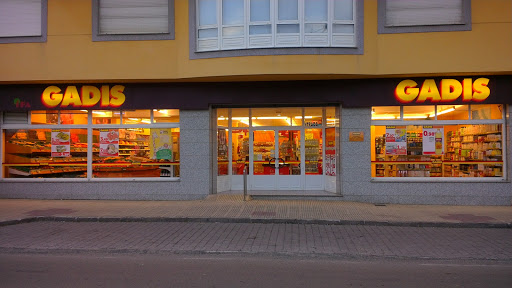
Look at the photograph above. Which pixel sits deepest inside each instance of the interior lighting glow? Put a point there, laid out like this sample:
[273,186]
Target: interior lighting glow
[443,112]
[385,117]
[416,117]
[268,118]
[99,113]
[147,121]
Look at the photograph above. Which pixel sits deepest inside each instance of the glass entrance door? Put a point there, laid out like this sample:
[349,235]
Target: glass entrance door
[276,160]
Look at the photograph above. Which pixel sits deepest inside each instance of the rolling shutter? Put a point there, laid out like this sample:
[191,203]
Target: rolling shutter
[20,18]
[423,12]
[133,16]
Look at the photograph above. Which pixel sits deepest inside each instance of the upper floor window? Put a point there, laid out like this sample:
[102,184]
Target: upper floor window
[245,24]
[401,16]
[133,20]
[23,21]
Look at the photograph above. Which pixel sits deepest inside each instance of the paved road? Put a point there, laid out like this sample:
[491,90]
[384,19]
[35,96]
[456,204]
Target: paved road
[283,239]
[143,270]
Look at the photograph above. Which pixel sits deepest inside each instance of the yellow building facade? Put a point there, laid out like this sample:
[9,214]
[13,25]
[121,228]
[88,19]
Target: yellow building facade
[383,111]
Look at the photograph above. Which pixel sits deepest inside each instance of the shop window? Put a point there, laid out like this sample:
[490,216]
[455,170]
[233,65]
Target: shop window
[313,151]
[386,113]
[136,116]
[222,117]
[136,152]
[332,118]
[313,116]
[45,153]
[490,111]
[276,117]
[166,116]
[222,151]
[23,21]
[44,117]
[240,148]
[452,112]
[240,117]
[77,117]
[415,113]
[106,117]
[438,150]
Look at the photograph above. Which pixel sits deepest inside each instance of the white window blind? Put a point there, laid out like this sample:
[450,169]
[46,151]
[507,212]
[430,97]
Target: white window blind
[133,16]
[15,117]
[20,18]
[423,12]
[246,24]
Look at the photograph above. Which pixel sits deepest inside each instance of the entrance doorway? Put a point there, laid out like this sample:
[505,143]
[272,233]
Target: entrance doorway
[282,149]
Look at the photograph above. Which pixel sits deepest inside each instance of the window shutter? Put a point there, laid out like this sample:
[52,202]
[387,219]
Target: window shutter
[19,18]
[423,12]
[15,117]
[133,16]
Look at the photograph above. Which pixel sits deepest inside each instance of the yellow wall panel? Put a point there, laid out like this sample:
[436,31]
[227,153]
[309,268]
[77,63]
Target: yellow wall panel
[70,55]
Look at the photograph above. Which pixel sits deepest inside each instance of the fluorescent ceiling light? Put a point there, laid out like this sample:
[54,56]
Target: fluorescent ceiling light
[443,112]
[265,118]
[99,113]
[416,117]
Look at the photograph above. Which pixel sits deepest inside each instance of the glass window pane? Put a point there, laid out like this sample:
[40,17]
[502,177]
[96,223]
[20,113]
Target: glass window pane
[276,117]
[73,117]
[222,152]
[166,116]
[385,112]
[331,117]
[44,117]
[207,12]
[289,151]
[222,117]
[240,117]
[288,28]
[343,10]
[135,152]
[464,151]
[315,10]
[313,116]
[263,151]
[260,29]
[342,28]
[315,28]
[136,116]
[240,148]
[233,31]
[260,10]
[29,153]
[106,117]
[208,33]
[489,111]
[452,112]
[313,151]
[419,112]
[232,12]
[288,10]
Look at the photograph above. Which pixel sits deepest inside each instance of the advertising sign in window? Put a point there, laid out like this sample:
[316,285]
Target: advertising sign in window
[61,140]
[396,140]
[109,142]
[433,137]
[161,145]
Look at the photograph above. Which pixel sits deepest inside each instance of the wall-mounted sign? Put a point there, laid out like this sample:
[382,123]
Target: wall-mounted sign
[448,90]
[356,136]
[88,96]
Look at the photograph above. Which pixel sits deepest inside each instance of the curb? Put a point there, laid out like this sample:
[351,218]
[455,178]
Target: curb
[256,220]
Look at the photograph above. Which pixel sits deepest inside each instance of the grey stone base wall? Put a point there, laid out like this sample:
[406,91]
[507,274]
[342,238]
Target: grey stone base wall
[194,182]
[357,184]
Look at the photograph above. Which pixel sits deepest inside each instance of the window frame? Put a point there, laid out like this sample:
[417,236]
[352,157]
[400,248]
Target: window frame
[89,127]
[32,39]
[97,36]
[434,122]
[357,49]
[383,29]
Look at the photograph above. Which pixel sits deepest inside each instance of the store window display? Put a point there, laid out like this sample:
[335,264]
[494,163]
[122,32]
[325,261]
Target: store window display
[440,149]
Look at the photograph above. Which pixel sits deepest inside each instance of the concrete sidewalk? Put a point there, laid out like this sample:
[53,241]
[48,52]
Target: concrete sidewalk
[232,208]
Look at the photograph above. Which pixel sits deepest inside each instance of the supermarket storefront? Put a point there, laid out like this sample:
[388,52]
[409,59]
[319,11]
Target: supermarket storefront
[409,140]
